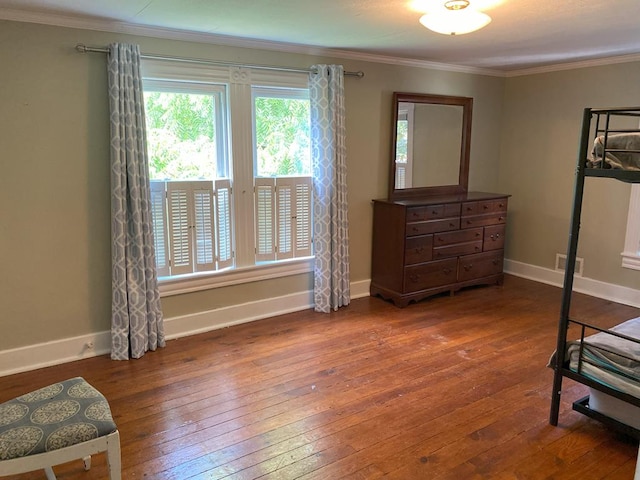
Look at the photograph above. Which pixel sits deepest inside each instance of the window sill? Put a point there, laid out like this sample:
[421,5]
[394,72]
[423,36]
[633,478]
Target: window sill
[631,260]
[233,276]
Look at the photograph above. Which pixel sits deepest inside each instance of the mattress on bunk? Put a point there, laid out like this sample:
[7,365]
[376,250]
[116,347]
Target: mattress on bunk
[621,160]
[615,408]
[610,360]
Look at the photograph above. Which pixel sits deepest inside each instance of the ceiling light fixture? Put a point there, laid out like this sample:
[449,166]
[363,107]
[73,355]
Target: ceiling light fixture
[456,18]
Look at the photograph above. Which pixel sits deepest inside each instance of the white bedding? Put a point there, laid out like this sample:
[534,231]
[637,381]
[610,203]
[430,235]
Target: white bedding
[624,160]
[610,360]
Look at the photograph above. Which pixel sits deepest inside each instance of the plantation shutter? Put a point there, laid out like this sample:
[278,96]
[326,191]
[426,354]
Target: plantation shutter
[401,176]
[224,245]
[203,224]
[285,194]
[160,235]
[303,243]
[283,218]
[180,231]
[265,218]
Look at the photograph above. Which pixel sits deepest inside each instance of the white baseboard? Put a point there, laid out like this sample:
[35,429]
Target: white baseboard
[45,354]
[66,350]
[588,286]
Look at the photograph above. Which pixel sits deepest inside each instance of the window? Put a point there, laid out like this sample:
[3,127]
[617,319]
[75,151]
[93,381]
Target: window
[631,254]
[229,161]
[282,166]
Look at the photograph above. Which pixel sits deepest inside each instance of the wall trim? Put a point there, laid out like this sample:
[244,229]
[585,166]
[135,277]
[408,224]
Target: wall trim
[32,357]
[66,350]
[101,25]
[588,286]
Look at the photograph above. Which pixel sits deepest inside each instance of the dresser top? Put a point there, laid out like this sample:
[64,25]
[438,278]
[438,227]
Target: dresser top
[456,198]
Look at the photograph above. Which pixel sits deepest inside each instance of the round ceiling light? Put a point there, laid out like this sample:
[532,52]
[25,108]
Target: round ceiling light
[456,18]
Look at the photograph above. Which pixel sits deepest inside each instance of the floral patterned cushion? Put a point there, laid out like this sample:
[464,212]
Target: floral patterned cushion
[57,416]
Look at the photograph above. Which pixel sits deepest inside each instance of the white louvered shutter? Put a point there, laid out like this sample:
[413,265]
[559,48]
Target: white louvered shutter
[203,223]
[285,194]
[265,218]
[160,235]
[303,238]
[401,169]
[180,231]
[223,211]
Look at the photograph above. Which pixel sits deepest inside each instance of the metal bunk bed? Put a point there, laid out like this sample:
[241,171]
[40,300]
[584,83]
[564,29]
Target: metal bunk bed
[600,131]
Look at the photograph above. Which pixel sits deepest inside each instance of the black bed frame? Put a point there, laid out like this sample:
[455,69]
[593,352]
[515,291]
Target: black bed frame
[595,122]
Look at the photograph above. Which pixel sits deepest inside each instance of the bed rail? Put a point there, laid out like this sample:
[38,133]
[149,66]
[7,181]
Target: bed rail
[614,151]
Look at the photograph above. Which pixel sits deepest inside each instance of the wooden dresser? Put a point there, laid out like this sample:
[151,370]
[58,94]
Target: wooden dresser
[434,244]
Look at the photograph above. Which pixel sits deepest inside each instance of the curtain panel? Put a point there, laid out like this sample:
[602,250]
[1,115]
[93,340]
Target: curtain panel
[328,156]
[136,315]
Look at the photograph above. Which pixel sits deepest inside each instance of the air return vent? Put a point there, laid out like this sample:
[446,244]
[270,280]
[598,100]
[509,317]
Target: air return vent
[561,264]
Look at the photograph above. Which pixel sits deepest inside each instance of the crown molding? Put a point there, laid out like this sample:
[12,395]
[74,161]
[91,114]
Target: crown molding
[596,62]
[103,25]
[110,26]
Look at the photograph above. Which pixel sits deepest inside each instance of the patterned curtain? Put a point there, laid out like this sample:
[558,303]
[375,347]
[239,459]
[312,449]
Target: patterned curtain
[136,316]
[328,155]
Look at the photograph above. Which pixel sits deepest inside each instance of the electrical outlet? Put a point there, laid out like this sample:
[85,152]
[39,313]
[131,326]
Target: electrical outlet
[89,345]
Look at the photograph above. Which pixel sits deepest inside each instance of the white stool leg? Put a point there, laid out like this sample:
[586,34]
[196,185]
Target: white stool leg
[637,475]
[50,474]
[113,456]
[87,462]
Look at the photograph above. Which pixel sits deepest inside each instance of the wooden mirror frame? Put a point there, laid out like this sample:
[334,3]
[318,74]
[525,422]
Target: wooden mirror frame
[465,145]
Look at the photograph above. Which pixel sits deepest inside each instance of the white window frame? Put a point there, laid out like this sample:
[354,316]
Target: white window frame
[238,81]
[631,253]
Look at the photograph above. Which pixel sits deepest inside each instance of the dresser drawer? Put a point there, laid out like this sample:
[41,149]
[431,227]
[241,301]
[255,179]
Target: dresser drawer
[484,220]
[433,212]
[483,207]
[460,236]
[457,250]
[480,265]
[433,226]
[493,238]
[430,275]
[418,249]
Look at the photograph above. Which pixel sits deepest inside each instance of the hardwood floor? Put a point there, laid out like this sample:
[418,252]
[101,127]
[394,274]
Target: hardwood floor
[449,388]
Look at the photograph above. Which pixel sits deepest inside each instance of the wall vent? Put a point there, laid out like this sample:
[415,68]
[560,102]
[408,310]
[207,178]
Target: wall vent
[561,264]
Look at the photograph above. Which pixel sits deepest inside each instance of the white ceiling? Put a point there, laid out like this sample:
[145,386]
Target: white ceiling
[524,34]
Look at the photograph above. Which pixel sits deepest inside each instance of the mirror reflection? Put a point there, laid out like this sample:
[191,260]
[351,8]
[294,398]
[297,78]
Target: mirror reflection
[431,144]
[431,134]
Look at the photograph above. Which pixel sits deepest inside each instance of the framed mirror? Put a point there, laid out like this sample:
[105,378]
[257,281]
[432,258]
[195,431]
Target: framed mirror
[431,142]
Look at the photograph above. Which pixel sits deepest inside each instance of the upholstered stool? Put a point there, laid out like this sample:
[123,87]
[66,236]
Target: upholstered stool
[56,424]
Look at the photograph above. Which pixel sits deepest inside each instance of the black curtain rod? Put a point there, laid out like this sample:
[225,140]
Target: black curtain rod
[84,49]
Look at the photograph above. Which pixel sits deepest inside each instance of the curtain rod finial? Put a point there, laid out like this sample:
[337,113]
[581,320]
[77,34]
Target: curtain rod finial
[81,48]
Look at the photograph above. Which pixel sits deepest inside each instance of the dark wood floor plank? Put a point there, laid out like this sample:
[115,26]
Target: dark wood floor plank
[448,388]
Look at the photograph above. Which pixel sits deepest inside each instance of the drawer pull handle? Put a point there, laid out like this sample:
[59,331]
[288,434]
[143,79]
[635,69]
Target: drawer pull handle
[468,267]
[501,219]
[477,248]
[434,212]
[477,234]
[447,271]
[486,207]
[419,250]
[415,229]
[452,225]
[414,278]
[495,262]
[495,237]
[501,205]
[469,222]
